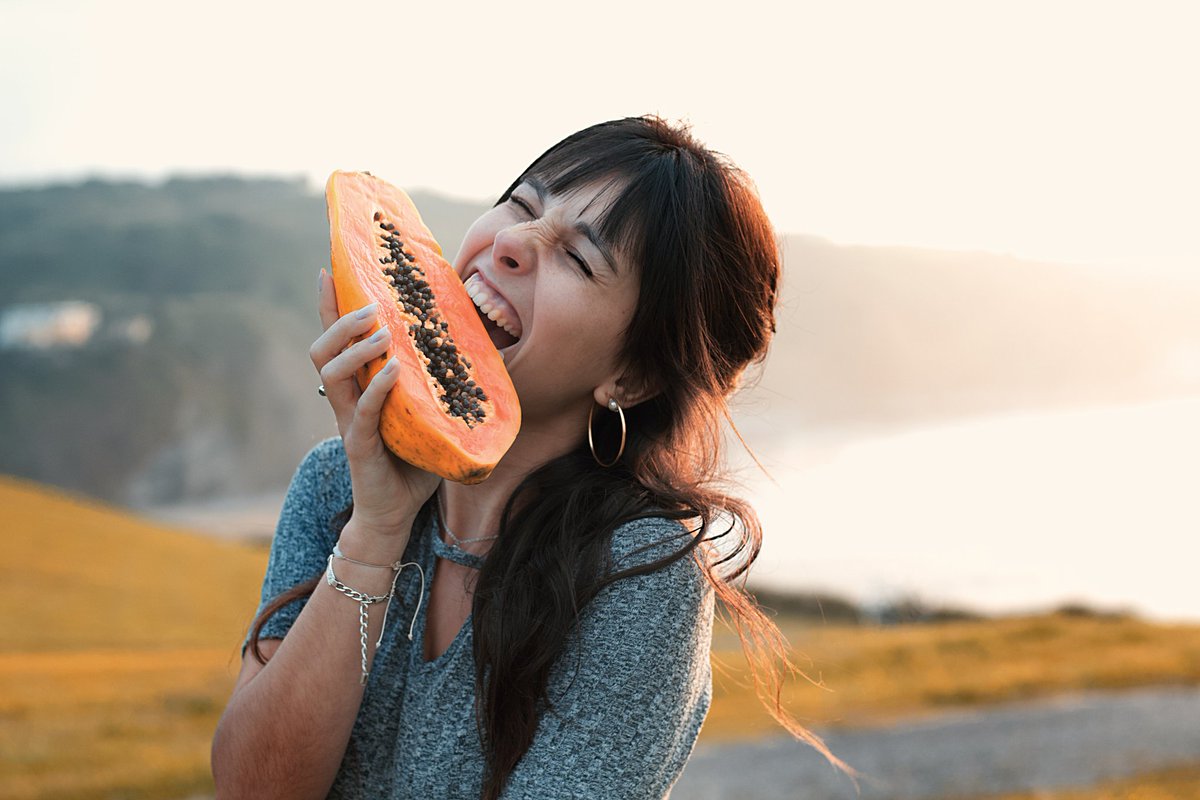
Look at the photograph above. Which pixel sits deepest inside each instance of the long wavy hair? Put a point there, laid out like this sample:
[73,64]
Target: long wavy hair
[709,271]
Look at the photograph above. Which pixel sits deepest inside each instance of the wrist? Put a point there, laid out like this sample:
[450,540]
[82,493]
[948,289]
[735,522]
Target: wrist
[365,543]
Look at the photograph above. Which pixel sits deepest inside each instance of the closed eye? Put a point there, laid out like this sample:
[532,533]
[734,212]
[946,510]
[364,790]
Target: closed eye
[518,201]
[525,206]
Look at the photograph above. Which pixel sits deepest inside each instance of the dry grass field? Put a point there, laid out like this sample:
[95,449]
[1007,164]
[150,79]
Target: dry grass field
[118,650]
[868,675]
[120,645]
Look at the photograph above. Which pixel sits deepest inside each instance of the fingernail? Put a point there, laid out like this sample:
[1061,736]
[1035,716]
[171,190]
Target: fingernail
[390,366]
[366,311]
[380,334]
[321,280]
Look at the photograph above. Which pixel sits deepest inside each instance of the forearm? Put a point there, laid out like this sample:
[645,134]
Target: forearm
[284,733]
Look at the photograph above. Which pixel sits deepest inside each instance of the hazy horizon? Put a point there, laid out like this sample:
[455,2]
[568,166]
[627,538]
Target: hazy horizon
[1004,513]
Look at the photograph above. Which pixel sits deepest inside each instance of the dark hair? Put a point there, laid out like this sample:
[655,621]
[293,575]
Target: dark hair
[709,267]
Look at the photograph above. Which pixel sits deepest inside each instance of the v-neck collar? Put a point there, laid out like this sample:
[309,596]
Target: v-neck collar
[451,552]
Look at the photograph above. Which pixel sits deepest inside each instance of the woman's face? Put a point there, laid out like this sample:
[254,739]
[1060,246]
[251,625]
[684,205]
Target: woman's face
[537,262]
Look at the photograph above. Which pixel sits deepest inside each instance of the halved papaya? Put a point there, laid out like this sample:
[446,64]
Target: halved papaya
[453,410]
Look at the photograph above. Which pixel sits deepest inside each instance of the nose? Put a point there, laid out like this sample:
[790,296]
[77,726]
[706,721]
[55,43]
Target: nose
[513,250]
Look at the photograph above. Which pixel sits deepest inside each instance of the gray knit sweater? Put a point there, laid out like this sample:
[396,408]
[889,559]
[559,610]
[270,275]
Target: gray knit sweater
[631,691]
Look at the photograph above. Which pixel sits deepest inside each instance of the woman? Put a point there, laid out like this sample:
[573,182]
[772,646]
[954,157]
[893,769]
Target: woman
[561,648]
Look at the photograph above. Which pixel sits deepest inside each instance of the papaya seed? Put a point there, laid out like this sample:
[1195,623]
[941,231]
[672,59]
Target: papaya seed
[414,295]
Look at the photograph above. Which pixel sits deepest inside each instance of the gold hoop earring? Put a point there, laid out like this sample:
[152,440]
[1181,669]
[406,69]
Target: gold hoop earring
[613,405]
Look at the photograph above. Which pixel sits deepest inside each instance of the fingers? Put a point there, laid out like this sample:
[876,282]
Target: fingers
[326,300]
[337,360]
[341,332]
[338,374]
[365,428]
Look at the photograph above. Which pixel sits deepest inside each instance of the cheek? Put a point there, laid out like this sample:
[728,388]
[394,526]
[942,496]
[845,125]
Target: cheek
[585,328]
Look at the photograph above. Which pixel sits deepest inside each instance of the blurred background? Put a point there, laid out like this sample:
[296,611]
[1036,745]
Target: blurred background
[974,448]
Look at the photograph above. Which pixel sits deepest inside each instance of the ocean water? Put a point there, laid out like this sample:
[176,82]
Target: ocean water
[1002,514]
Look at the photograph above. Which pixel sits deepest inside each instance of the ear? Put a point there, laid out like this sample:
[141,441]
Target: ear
[627,390]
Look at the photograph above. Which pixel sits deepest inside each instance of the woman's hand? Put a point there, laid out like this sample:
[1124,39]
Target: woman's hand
[388,491]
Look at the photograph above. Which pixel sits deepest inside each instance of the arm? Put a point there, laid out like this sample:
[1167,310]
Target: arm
[285,729]
[629,714]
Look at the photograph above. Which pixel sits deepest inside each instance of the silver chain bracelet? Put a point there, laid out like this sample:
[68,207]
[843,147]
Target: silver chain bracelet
[364,600]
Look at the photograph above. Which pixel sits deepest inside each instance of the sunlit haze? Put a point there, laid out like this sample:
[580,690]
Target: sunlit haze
[1013,512]
[1060,131]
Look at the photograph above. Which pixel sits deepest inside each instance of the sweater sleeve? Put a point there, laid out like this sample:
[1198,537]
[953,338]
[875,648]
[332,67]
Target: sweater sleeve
[632,689]
[304,535]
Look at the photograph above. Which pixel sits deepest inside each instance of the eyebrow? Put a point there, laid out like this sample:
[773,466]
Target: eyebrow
[580,227]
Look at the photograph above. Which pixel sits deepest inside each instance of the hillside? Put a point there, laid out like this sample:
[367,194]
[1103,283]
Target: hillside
[119,648]
[84,576]
[877,338]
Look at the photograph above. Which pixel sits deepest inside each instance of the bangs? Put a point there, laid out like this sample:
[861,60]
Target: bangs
[606,156]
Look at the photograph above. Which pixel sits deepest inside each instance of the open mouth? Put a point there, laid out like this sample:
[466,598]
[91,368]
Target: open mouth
[499,336]
[499,318]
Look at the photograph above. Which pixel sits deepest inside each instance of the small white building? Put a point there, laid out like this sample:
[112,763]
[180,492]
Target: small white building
[70,323]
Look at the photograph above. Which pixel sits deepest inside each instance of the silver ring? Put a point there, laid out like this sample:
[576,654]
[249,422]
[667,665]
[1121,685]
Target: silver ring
[321,390]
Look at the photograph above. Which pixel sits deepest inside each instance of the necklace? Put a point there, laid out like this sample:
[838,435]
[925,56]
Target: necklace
[457,541]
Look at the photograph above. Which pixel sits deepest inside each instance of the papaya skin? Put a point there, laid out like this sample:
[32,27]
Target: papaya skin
[415,424]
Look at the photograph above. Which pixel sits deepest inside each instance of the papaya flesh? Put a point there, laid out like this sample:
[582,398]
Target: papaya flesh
[453,410]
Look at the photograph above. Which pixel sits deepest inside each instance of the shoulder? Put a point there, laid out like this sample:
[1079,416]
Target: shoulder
[651,627]
[326,455]
[319,490]
[324,475]
[680,585]
[644,541]
[648,537]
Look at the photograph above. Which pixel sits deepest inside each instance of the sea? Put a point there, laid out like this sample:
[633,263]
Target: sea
[1011,513]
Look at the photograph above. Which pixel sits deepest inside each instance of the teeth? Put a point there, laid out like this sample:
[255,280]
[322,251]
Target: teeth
[497,316]
[492,307]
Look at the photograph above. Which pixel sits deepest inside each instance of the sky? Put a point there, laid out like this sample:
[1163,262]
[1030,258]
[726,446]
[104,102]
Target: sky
[1063,131]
